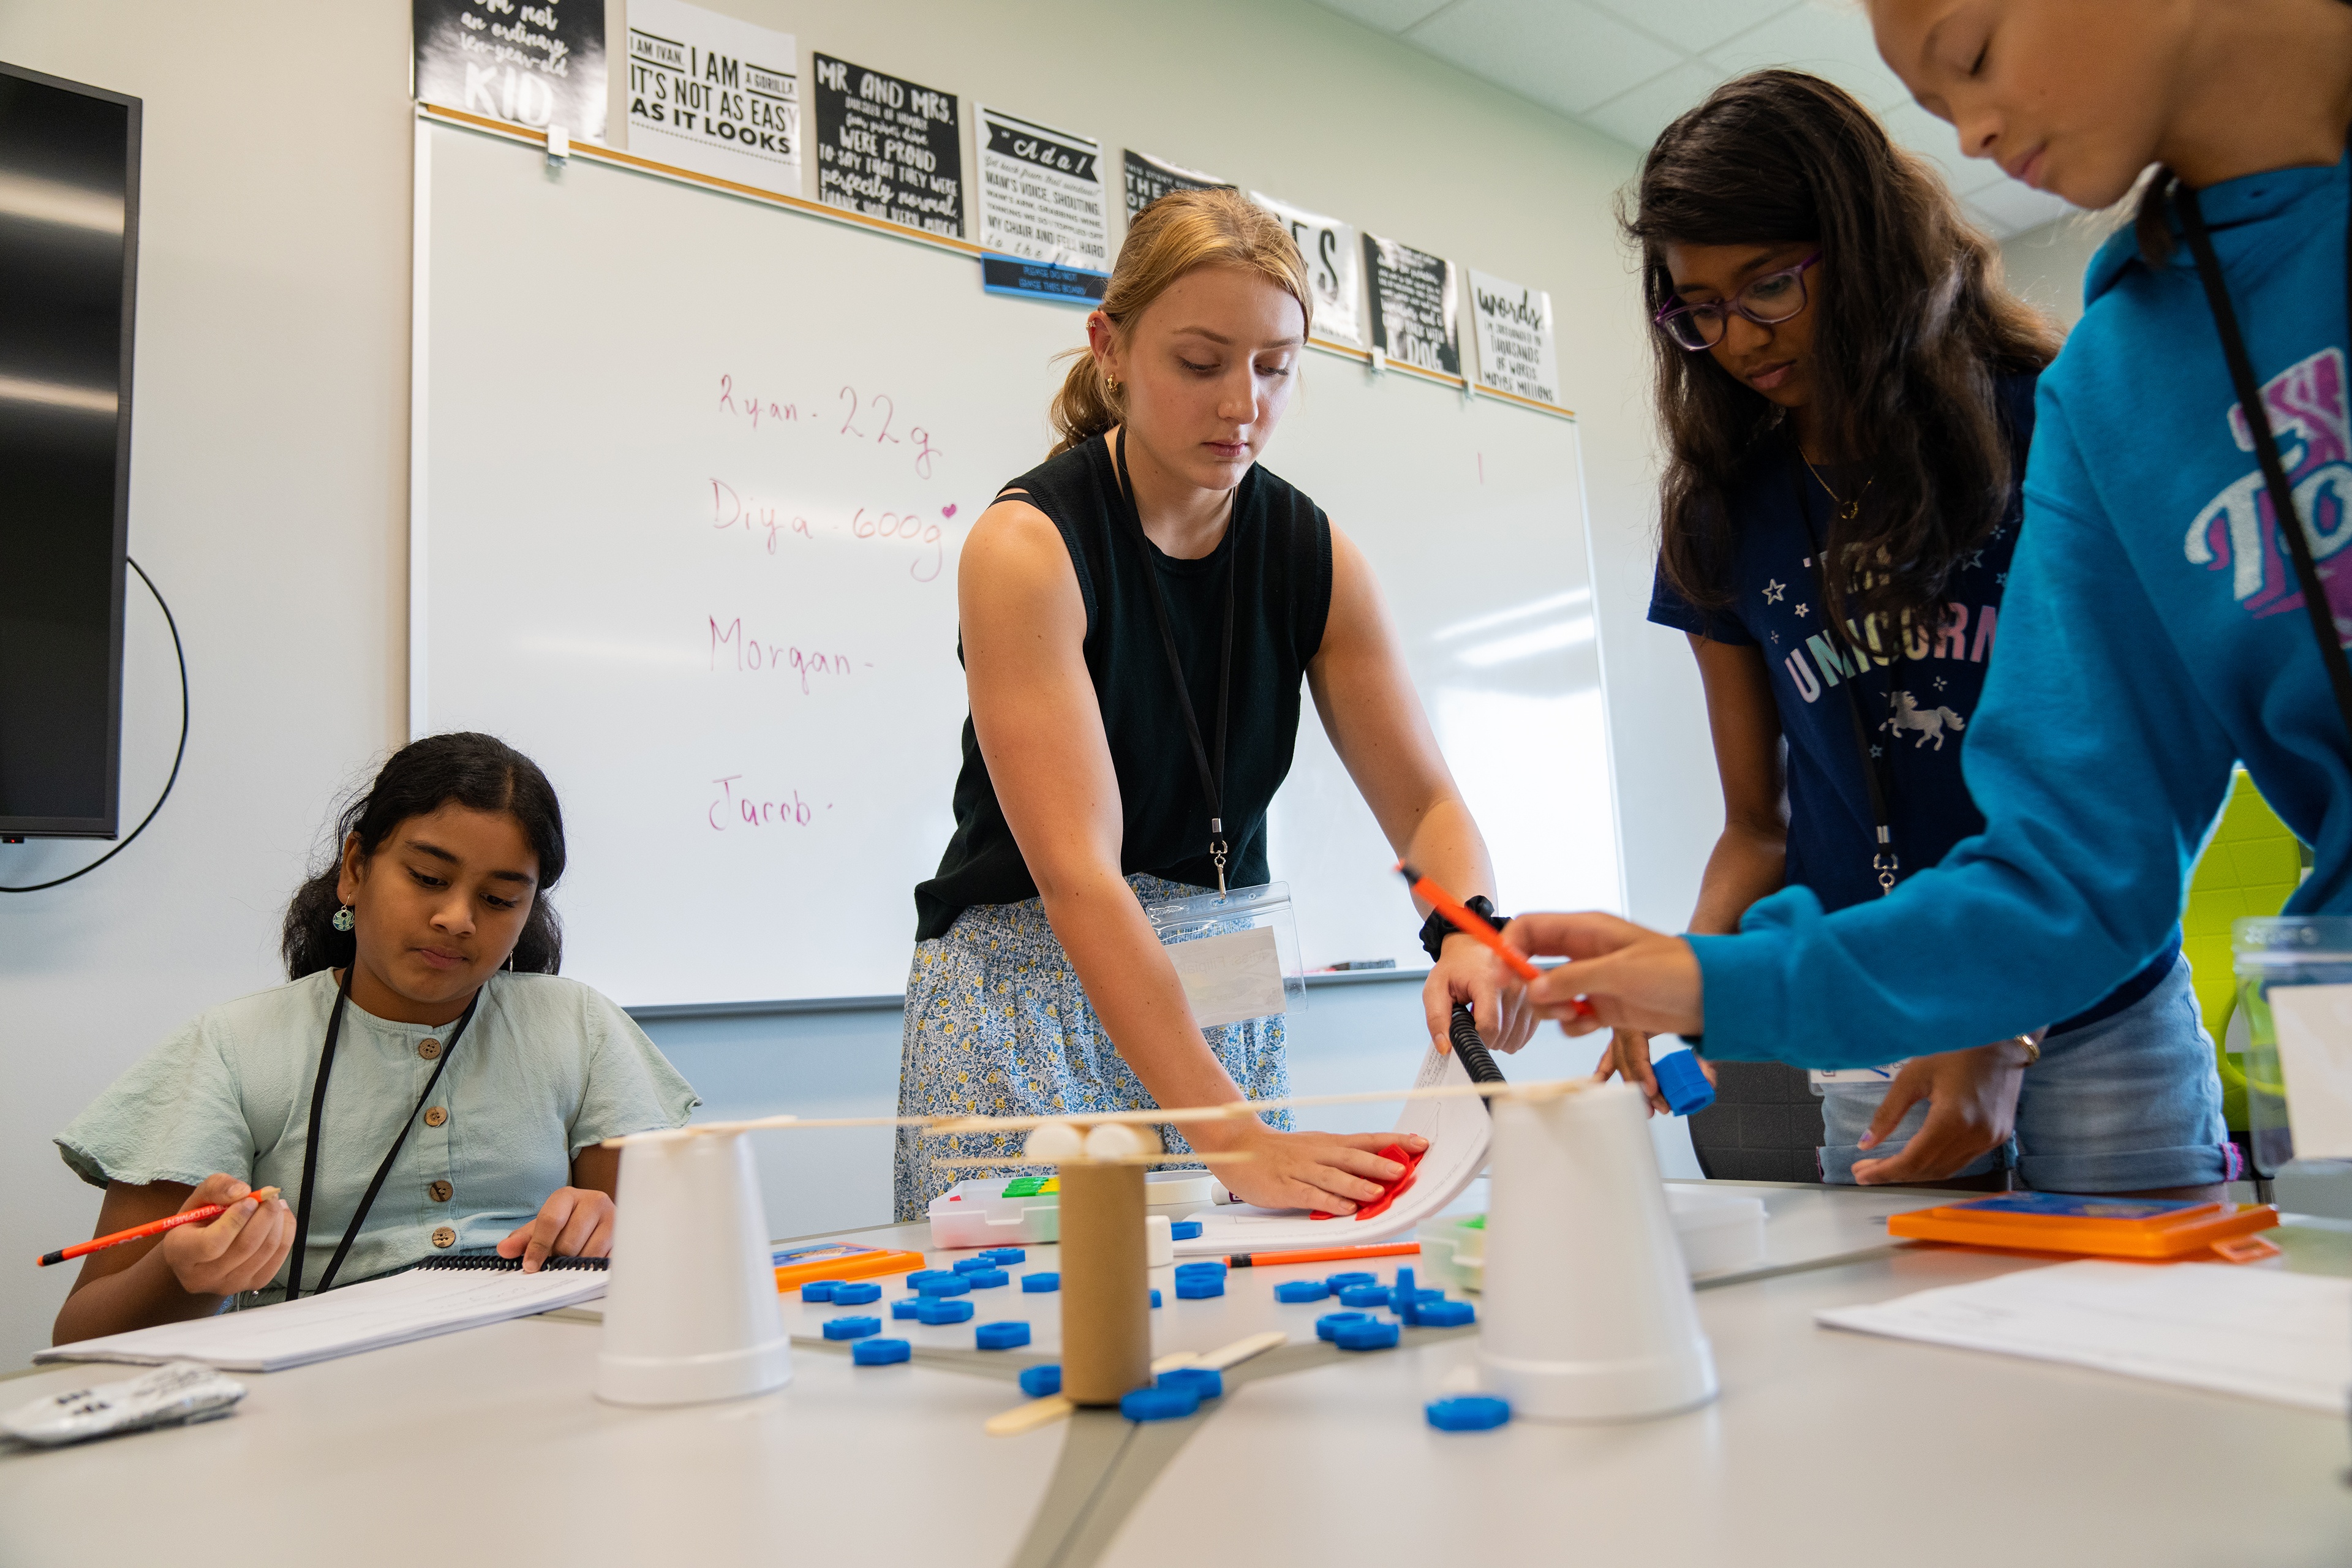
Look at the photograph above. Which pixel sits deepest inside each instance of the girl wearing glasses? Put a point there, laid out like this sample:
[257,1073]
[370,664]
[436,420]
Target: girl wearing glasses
[1847,398]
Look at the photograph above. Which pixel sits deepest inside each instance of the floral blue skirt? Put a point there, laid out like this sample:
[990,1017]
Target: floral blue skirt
[997,1024]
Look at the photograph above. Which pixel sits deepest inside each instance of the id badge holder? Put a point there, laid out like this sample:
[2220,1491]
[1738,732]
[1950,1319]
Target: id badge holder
[1819,1078]
[1235,951]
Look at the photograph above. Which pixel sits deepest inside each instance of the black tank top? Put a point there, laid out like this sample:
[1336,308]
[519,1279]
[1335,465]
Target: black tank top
[1280,543]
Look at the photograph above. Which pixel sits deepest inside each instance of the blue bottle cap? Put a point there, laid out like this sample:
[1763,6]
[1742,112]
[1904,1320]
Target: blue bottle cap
[908,1306]
[1364,1296]
[1301,1291]
[1198,1287]
[1468,1413]
[1369,1335]
[1041,1381]
[1404,1279]
[987,1279]
[1155,1298]
[974,1265]
[915,1280]
[851,1328]
[1183,1230]
[1001,1336]
[1001,1256]
[1040,1284]
[819,1289]
[1683,1082]
[1160,1404]
[934,1309]
[1443,1314]
[1340,1282]
[856,1293]
[1330,1323]
[879,1353]
[951,1285]
[1205,1383]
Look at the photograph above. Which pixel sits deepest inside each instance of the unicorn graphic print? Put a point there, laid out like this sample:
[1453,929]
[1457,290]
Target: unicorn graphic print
[2237,532]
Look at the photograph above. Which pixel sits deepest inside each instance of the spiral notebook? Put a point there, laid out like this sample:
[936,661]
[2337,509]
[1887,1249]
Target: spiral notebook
[440,1296]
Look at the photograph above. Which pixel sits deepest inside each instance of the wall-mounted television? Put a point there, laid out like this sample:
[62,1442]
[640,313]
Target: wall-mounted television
[69,270]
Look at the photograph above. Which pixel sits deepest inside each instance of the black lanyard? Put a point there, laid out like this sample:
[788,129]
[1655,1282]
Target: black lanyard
[1212,779]
[318,1116]
[2266,452]
[1883,861]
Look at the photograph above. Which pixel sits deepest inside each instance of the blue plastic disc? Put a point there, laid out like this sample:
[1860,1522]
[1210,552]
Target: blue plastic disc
[1204,1383]
[1001,1256]
[851,1328]
[908,1306]
[1184,1230]
[1364,1296]
[1340,1282]
[1369,1335]
[974,1265]
[1001,1336]
[1330,1323]
[819,1289]
[879,1353]
[856,1293]
[950,1285]
[988,1278]
[915,1280]
[936,1310]
[1160,1404]
[1040,1284]
[1040,1381]
[1468,1413]
[1301,1291]
[1443,1314]
[1198,1287]
[1199,1268]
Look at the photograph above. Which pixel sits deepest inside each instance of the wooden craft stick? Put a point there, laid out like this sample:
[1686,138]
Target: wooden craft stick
[1053,1408]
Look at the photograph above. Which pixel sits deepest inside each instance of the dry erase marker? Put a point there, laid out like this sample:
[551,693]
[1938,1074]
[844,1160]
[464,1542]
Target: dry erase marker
[153,1227]
[1469,924]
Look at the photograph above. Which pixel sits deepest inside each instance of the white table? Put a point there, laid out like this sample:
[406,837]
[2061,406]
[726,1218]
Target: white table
[486,1447]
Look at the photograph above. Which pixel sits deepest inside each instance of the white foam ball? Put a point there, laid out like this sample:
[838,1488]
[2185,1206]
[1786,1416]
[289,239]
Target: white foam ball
[1114,1141]
[1054,1142]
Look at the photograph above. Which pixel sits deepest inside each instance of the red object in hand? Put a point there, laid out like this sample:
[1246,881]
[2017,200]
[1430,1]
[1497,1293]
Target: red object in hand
[1389,1191]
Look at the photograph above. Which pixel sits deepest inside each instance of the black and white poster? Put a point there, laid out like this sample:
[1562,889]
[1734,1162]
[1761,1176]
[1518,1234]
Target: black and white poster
[1149,179]
[715,95]
[1041,194]
[888,148]
[1415,298]
[1333,269]
[1515,338]
[539,63]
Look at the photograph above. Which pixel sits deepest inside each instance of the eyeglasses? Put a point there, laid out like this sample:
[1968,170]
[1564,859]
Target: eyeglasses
[1766,302]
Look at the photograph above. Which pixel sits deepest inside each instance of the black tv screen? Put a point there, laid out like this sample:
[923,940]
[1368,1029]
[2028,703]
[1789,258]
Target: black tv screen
[68,252]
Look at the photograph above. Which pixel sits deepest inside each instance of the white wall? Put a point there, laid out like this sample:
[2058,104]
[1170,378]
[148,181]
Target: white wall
[2045,266]
[270,448]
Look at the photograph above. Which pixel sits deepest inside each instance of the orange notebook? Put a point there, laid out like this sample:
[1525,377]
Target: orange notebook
[2153,1231]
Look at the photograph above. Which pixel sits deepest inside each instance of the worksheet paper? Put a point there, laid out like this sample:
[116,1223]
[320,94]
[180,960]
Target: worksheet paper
[2261,1332]
[1458,1130]
[389,1312]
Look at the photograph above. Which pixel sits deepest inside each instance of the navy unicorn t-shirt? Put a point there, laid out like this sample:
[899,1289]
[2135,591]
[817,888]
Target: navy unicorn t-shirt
[1916,689]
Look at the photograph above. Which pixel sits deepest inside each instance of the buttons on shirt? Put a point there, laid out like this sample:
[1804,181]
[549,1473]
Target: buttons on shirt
[444,1237]
[429,1049]
[440,1191]
[436,1116]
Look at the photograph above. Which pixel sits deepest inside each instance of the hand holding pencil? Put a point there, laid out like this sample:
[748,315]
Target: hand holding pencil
[225,1237]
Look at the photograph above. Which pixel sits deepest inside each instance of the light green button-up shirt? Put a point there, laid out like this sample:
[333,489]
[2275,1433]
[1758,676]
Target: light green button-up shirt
[547,1067]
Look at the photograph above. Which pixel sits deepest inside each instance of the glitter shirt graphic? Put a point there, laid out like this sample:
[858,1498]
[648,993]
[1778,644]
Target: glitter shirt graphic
[2237,532]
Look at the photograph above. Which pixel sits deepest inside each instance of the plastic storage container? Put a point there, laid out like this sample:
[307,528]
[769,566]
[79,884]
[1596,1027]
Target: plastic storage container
[997,1211]
[2274,955]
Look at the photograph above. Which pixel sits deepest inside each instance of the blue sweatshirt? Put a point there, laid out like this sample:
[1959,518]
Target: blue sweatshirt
[2152,635]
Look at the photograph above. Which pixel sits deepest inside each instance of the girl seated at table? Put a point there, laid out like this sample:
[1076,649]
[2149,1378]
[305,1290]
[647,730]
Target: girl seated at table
[423,1085]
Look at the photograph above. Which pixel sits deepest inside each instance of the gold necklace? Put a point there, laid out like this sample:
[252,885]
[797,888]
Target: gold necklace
[1847,511]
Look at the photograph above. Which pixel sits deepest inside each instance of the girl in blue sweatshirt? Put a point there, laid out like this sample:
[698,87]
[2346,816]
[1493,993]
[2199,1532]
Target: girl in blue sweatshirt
[1842,379]
[2155,628]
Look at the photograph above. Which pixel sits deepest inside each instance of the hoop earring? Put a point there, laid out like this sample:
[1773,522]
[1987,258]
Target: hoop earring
[344,920]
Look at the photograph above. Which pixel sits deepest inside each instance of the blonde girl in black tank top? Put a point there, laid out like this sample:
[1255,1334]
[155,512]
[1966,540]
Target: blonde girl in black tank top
[1038,982]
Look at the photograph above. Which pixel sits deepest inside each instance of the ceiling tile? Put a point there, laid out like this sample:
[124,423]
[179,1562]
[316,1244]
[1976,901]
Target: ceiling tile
[1388,16]
[1922,133]
[1835,44]
[2014,208]
[1561,54]
[1638,116]
[1694,26]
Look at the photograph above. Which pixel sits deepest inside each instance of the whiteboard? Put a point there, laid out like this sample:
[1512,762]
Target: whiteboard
[690,476]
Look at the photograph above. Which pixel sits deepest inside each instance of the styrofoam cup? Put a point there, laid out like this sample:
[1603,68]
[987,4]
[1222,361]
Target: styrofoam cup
[690,1312]
[1587,1313]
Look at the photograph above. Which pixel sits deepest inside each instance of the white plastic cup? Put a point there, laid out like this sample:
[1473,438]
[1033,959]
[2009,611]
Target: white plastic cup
[691,1312]
[1588,1311]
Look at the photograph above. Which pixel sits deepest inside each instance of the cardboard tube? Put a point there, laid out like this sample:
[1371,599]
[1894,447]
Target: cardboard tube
[1106,1294]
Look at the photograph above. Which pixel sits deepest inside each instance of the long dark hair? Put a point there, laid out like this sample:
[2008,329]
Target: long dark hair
[1911,326]
[481,773]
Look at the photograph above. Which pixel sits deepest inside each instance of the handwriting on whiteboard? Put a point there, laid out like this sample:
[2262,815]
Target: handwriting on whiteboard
[738,805]
[758,518]
[729,649]
[869,417]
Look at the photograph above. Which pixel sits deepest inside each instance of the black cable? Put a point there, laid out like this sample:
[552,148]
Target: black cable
[182,653]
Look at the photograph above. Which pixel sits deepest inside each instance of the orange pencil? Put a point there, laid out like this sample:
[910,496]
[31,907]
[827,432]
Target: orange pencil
[153,1227]
[1467,923]
[1320,1254]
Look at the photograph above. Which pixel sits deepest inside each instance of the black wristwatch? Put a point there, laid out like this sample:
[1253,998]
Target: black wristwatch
[1437,927]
